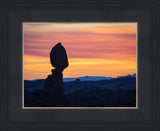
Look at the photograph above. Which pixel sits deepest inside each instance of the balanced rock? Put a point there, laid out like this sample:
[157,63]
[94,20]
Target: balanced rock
[58,57]
[53,87]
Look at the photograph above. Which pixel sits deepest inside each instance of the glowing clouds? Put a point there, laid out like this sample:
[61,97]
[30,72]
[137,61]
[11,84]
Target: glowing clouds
[111,46]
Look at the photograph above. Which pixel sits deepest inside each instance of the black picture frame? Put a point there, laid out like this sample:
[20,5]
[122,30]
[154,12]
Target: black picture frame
[13,13]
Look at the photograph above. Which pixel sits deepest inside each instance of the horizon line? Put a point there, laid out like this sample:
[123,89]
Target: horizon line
[83,76]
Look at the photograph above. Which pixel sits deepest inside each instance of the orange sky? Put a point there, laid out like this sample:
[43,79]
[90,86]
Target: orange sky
[94,49]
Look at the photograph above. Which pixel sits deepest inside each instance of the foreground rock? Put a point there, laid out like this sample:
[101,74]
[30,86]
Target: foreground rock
[52,94]
[58,57]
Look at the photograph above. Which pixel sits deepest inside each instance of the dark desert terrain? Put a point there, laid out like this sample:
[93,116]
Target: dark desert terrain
[115,92]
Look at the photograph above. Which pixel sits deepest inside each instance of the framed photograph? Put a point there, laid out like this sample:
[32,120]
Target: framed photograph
[79,65]
[96,68]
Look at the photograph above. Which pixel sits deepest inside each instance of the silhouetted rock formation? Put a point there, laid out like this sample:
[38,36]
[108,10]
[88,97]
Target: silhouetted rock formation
[53,87]
[52,93]
[58,57]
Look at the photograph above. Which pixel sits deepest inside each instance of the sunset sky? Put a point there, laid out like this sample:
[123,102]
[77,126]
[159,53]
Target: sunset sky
[93,49]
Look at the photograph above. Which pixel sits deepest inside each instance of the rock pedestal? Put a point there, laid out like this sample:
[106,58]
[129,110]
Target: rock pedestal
[54,90]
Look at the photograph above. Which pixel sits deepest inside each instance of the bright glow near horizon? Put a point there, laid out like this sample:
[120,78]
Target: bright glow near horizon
[94,49]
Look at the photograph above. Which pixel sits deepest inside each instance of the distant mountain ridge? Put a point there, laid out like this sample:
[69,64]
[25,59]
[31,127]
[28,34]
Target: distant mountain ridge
[89,78]
[134,75]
